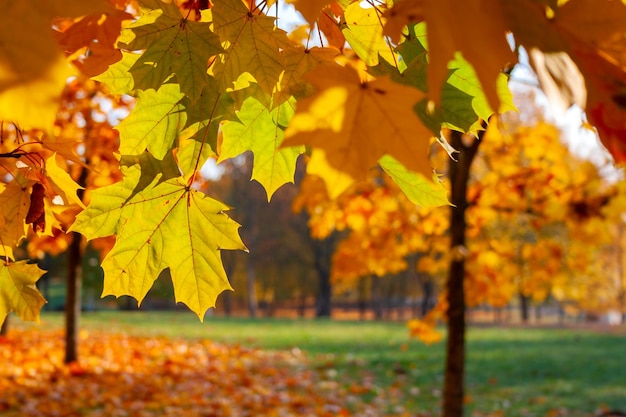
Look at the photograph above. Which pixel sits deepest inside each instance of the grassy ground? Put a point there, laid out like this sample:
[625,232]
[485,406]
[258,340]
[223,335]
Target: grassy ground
[510,371]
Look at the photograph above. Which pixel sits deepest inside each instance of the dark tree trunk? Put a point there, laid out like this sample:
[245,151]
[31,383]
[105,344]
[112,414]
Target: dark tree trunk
[524,305]
[427,299]
[453,389]
[74,283]
[324,297]
[323,252]
[73,298]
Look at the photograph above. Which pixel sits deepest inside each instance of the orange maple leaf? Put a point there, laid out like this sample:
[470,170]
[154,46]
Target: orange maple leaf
[356,122]
[310,9]
[470,27]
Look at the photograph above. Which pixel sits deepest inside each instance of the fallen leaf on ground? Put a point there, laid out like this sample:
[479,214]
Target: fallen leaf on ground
[120,375]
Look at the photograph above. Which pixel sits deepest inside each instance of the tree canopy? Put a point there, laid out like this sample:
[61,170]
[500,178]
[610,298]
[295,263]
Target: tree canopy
[217,79]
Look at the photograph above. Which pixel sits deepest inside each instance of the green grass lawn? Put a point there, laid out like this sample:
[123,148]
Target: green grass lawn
[518,371]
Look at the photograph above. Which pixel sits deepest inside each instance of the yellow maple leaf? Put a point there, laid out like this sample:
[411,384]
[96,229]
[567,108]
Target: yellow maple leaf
[364,32]
[32,68]
[348,117]
[18,292]
[336,181]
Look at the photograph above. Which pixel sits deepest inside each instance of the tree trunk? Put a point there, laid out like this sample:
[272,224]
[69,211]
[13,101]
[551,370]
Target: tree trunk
[324,296]
[323,251]
[73,299]
[428,290]
[453,389]
[524,305]
[74,284]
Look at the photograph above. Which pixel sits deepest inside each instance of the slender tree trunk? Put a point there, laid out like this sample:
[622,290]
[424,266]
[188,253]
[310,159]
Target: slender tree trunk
[524,305]
[453,389]
[74,283]
[73,299]
[323,250]
[323,305]
[428,293]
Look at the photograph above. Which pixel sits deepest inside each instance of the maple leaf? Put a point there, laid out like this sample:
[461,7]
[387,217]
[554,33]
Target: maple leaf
[310,9]
[364,33]
[261,132]
[331,29]
[171,44]
[401,14]
[33,68]
[347,118]
[336,180]
[155,123]
[463,105]
[118,77]
[449,24]
[18,292]
[298,61]
[165,224]
[255,45]
[591,35]
[419,190]
[198,141]
[95,34]
[63,183]
[15,201]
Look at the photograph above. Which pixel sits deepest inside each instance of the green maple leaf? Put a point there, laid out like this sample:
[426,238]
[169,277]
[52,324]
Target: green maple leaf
[172,45]
[198,142]
[18,291]
[261,132]
[255,45]
[118,78]
[418,189]
[155,123]
[163,225]
[463,103]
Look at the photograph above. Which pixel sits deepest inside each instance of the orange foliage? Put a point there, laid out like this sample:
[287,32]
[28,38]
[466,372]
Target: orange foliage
[121,375]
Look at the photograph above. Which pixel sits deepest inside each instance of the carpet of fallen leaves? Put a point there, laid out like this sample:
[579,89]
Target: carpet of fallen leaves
[120,375]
